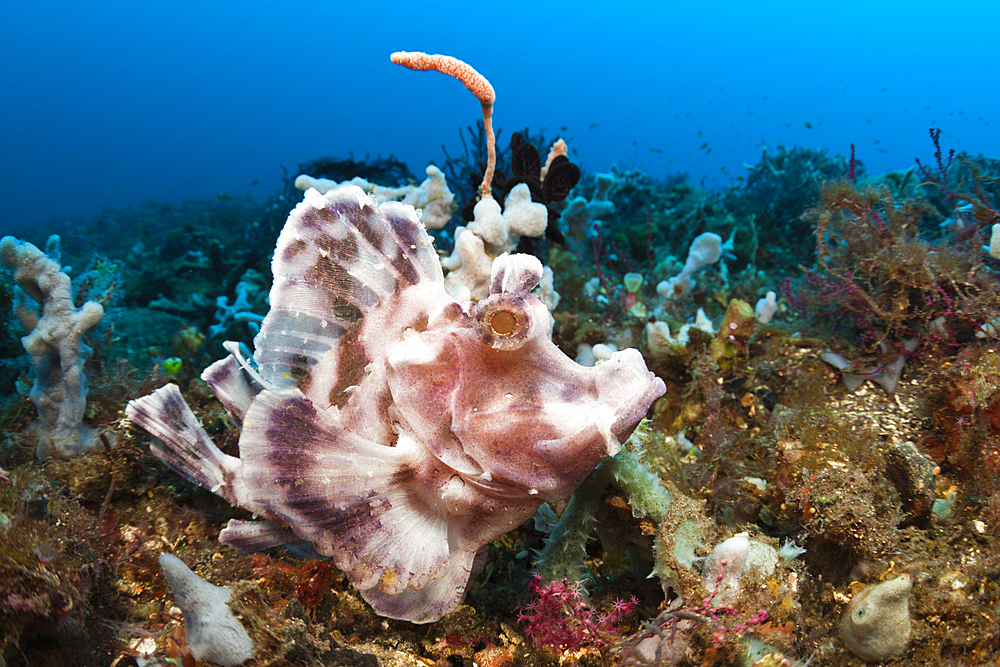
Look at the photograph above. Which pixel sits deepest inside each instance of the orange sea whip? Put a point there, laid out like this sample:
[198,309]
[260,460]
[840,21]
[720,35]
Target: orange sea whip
[473,80]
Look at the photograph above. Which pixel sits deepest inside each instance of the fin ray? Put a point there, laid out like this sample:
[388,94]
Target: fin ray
[250,536]
[233,385]
[187,449]
[430,603]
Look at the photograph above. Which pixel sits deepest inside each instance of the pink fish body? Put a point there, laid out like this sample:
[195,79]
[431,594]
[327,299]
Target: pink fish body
[396,430]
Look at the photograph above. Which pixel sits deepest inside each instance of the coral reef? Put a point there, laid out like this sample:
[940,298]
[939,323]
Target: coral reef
[828,458]
[778,190]
[880,275]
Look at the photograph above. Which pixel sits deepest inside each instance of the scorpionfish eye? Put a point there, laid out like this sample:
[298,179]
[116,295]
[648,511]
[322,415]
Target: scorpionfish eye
[505,321]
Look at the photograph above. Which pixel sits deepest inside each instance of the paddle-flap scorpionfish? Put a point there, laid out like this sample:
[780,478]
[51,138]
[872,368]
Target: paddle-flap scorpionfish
[395,429]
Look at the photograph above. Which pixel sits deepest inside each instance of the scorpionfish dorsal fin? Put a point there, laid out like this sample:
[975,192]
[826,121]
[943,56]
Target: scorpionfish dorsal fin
[339,259]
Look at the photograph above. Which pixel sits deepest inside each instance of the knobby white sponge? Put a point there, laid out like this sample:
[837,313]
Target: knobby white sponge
[55,344]
[490,234]
[724,568]
[432,197]
[212,632]
[735,562]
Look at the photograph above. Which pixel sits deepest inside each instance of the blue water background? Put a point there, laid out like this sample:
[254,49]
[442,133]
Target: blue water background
[108,104]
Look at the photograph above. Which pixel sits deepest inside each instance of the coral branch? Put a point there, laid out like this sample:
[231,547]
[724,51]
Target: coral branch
[473,80]
[941,178]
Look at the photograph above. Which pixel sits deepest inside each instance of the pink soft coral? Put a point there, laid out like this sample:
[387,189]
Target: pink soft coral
[559,619]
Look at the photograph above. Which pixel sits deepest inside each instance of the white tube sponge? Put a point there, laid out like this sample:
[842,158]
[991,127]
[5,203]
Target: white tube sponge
[706,249]
[876,625]
[733,565]
[547,291]
[724,568]
[766,308]
[471,278]
[212,630]
[436,203]
[54,343]
[490,234]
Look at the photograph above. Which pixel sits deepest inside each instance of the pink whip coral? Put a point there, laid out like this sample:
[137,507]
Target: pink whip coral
[473,80]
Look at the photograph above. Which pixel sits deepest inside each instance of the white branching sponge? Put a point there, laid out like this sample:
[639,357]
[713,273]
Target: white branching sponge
[55,345]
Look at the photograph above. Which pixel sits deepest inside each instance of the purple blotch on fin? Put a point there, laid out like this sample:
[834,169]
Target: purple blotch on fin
[250,536]
[359,502]
[187,449]
[515,273]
